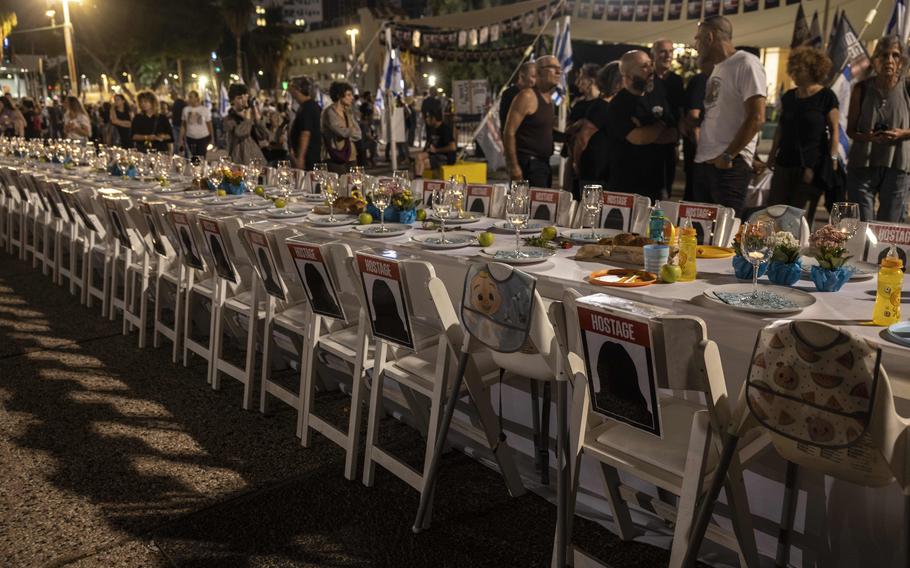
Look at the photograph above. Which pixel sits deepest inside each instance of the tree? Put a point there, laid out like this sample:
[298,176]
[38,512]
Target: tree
[237,15]
[270,46]
[8,21]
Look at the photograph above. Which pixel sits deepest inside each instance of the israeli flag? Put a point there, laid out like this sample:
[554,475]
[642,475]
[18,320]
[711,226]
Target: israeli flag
[897,23]
[223,102]
[562,49]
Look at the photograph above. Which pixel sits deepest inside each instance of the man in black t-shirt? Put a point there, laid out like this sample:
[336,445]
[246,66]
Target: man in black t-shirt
[305,137]
[440,149]
[690,122]
[636,130]
[177,113]
[668,87]
[527,76]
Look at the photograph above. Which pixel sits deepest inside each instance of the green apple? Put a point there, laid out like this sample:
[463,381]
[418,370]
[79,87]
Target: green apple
[365,219]
[280,203]
[670,273]
[548,233]
[221,193]
[485,239]
[259,190]
[421,215]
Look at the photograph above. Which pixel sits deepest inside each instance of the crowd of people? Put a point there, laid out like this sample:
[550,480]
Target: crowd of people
[626,128]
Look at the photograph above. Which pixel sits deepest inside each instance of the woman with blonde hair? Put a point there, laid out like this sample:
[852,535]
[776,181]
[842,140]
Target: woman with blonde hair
[76,123]
[151,130]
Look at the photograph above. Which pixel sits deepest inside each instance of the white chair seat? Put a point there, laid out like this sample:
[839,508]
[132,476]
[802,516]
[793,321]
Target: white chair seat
[667,453]
[342,343]
[528,365]
[294,318]
[206,286]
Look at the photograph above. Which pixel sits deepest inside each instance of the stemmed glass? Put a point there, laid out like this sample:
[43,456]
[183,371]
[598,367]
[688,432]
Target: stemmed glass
[256,164]
[518,210]
[402,180]
[755,241]
[457,185]
[319,169]
[215,175]
[382,194]
[329,185]
[283,181]
[355,179]
[592,199]
[250,177]
[845,218]
[442,200]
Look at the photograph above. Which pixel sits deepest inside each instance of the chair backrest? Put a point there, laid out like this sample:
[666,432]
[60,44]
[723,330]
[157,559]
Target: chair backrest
[118,222]
[220,248]
[625,212]
[785,218]
[263,253]
[713,223]
[552,205]
[151,212]
[873,239]
[12,178]
[485,199]
[186,231]
[311,260]
[426,189]
[384,296]
[56,188]
[815,389]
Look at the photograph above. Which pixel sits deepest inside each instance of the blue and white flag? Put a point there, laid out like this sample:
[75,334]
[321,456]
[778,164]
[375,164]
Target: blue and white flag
[207,99]
[897,23]
[850,63]
[223,102]
[562,50]
[391,80]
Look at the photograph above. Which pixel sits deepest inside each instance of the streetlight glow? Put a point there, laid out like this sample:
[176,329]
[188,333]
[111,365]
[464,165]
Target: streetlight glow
[203,81]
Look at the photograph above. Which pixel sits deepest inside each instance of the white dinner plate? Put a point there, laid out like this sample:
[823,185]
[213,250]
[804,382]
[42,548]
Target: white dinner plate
[288,212]
[374,230]
[454,219]
[532,255]
[198,193]
[313,197]
[797,299]
[531,227]
[220,199]
[323,220]
[455,239]
[585,235]
[257,205]
[861,270]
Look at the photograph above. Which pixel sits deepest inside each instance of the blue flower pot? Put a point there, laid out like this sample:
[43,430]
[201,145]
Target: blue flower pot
[233,189]
[115,170]
[391,213]
[131,172]
[830,280]
[408,216]
[785,273]
[743,268]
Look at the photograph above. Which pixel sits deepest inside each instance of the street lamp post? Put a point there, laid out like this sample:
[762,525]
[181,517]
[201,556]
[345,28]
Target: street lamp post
[68,40]
[352,33]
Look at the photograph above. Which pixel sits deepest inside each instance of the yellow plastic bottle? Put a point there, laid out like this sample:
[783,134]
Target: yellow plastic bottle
[887,309]
[688,250]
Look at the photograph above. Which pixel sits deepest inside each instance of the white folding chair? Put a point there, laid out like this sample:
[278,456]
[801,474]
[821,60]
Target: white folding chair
[611,411]
[283,305]
[713,223]
[786,218]
[623,212]
[238,294]
[873,239]
[17,211]
[552,206]
[141,261]
[169,270]
[67,238]
[821,395]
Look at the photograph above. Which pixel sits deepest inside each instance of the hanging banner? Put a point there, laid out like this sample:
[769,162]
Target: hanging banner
[613,10]
[584,9]
[712,8]
[730,7]
[674,10]
[627,11]
[657,10]
[750,5]
[599,10]
[642,9]
[693,10]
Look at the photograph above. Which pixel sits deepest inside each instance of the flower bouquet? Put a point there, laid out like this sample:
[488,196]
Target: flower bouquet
[785,267]
[827,246]
[742,267]
[402,206]
[232,181]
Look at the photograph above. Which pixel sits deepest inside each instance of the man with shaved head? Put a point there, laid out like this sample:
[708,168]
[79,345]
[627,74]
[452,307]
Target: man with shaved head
[528,134]
[527,76]
[667,86]
[734,113]
[637,129]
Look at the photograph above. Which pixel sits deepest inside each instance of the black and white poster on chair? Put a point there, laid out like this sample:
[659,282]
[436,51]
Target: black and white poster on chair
[878,240]
[218,250]
[544,204]
[314,274]
[268,269]
[382,286]
[620,367]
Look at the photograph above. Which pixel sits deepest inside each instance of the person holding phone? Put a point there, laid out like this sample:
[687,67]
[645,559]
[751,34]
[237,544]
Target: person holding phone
[243,128]
[879,126]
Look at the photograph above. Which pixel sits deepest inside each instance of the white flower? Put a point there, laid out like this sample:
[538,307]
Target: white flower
[784,238]
[657,111]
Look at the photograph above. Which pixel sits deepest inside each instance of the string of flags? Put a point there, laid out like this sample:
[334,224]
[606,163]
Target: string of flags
[425,41]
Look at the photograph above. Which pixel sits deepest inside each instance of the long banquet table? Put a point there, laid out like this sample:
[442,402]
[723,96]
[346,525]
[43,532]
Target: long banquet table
[863,526]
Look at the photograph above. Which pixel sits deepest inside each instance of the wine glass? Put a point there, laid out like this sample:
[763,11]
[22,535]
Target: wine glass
[518,210]
[592,199]
[355,180]
[402,180]
[215,175]
[441,200]
[329,184]
[845,218]
[283,180]
[755,241]
[457,185]
[382,195]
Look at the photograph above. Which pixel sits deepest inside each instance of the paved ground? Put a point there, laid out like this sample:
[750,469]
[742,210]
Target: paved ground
[112,456]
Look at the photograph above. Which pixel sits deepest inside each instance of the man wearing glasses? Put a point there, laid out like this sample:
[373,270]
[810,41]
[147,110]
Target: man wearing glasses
[528,134]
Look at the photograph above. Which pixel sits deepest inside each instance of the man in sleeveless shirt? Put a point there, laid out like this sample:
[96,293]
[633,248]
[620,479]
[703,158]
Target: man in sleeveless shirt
[528,135]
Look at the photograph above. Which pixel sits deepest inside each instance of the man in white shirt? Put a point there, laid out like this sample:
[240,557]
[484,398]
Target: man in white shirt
[734,113]
[196,126]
